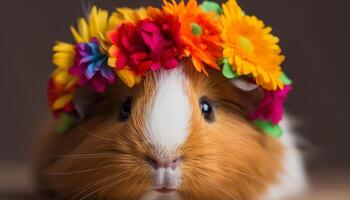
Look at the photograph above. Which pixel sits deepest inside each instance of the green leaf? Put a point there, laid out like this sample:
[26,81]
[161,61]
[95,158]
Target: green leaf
[227,70]
[285,80]
[269,128]
[210,6]
[65,123]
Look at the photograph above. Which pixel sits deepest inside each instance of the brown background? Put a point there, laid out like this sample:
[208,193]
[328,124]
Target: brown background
[315,36]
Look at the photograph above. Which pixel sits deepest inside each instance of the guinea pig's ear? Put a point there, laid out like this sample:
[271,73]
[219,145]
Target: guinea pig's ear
[83,102]
[243,84]
[250,93]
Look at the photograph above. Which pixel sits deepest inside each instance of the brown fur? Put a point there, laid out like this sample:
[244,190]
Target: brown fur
[105,159]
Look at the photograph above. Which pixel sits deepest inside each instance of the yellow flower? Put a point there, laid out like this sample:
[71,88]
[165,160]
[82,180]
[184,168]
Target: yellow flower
[128,77]
[64,53]
[63,58]
[250,47]
[96,26]
[122,15]
[63,83]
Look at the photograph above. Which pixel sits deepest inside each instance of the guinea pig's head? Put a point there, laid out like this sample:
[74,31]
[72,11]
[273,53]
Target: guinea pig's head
[178,131]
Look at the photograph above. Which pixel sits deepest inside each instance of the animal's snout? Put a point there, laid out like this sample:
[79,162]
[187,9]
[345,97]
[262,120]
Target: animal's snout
[172,163]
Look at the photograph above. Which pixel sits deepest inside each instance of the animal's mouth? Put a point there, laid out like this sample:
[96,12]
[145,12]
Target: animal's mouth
[165,190]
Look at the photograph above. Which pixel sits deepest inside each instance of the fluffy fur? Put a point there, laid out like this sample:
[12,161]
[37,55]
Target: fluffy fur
[292,179]
[105,159]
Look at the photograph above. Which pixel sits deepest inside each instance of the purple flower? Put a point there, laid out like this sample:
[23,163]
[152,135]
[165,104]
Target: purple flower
[91,66]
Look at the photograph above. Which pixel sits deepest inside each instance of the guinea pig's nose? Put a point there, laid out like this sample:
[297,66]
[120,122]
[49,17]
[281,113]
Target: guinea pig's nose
[169,163]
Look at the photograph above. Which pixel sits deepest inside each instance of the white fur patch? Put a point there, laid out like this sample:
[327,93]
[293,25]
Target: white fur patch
[153,195]
[167,177]
[292,180]
[169,116]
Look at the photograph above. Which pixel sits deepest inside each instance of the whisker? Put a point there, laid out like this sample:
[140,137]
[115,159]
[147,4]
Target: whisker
[79,172]
[102,180]
[219,187]
[96,136]
[98,190]
[111,185]
[96,183]
[248,175]
[126,179]
[87,187]
[98,155]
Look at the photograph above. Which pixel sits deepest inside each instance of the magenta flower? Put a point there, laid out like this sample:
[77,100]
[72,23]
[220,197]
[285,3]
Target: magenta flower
[271,107]
[163,51]
[91,66]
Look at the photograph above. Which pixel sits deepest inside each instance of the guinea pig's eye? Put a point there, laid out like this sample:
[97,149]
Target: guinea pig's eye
[125,110]
[207,110]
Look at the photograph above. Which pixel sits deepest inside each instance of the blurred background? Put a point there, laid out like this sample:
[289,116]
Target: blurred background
[315,37]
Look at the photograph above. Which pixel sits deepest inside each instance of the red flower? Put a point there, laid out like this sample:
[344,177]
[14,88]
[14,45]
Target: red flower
[58,93]
[150,44]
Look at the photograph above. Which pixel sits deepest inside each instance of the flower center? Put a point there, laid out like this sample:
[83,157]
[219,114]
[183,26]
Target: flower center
[196,29]
[246,44]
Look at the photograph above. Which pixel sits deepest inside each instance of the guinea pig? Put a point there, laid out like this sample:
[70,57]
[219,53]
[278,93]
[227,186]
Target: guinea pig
[179,134]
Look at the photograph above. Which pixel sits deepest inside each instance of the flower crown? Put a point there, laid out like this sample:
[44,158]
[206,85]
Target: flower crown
[129,42]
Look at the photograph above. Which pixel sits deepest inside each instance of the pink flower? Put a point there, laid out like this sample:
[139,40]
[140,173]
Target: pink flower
[271,108]
[148,45]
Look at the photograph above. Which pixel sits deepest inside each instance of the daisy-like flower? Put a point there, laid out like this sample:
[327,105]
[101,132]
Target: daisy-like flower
[62,84]
[96,26]
[250,48]
[199,33]
[148,44]
[89,63]
[123,15]
[91,66]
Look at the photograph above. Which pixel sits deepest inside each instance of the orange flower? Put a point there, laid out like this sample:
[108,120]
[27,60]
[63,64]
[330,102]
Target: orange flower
[199,33]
